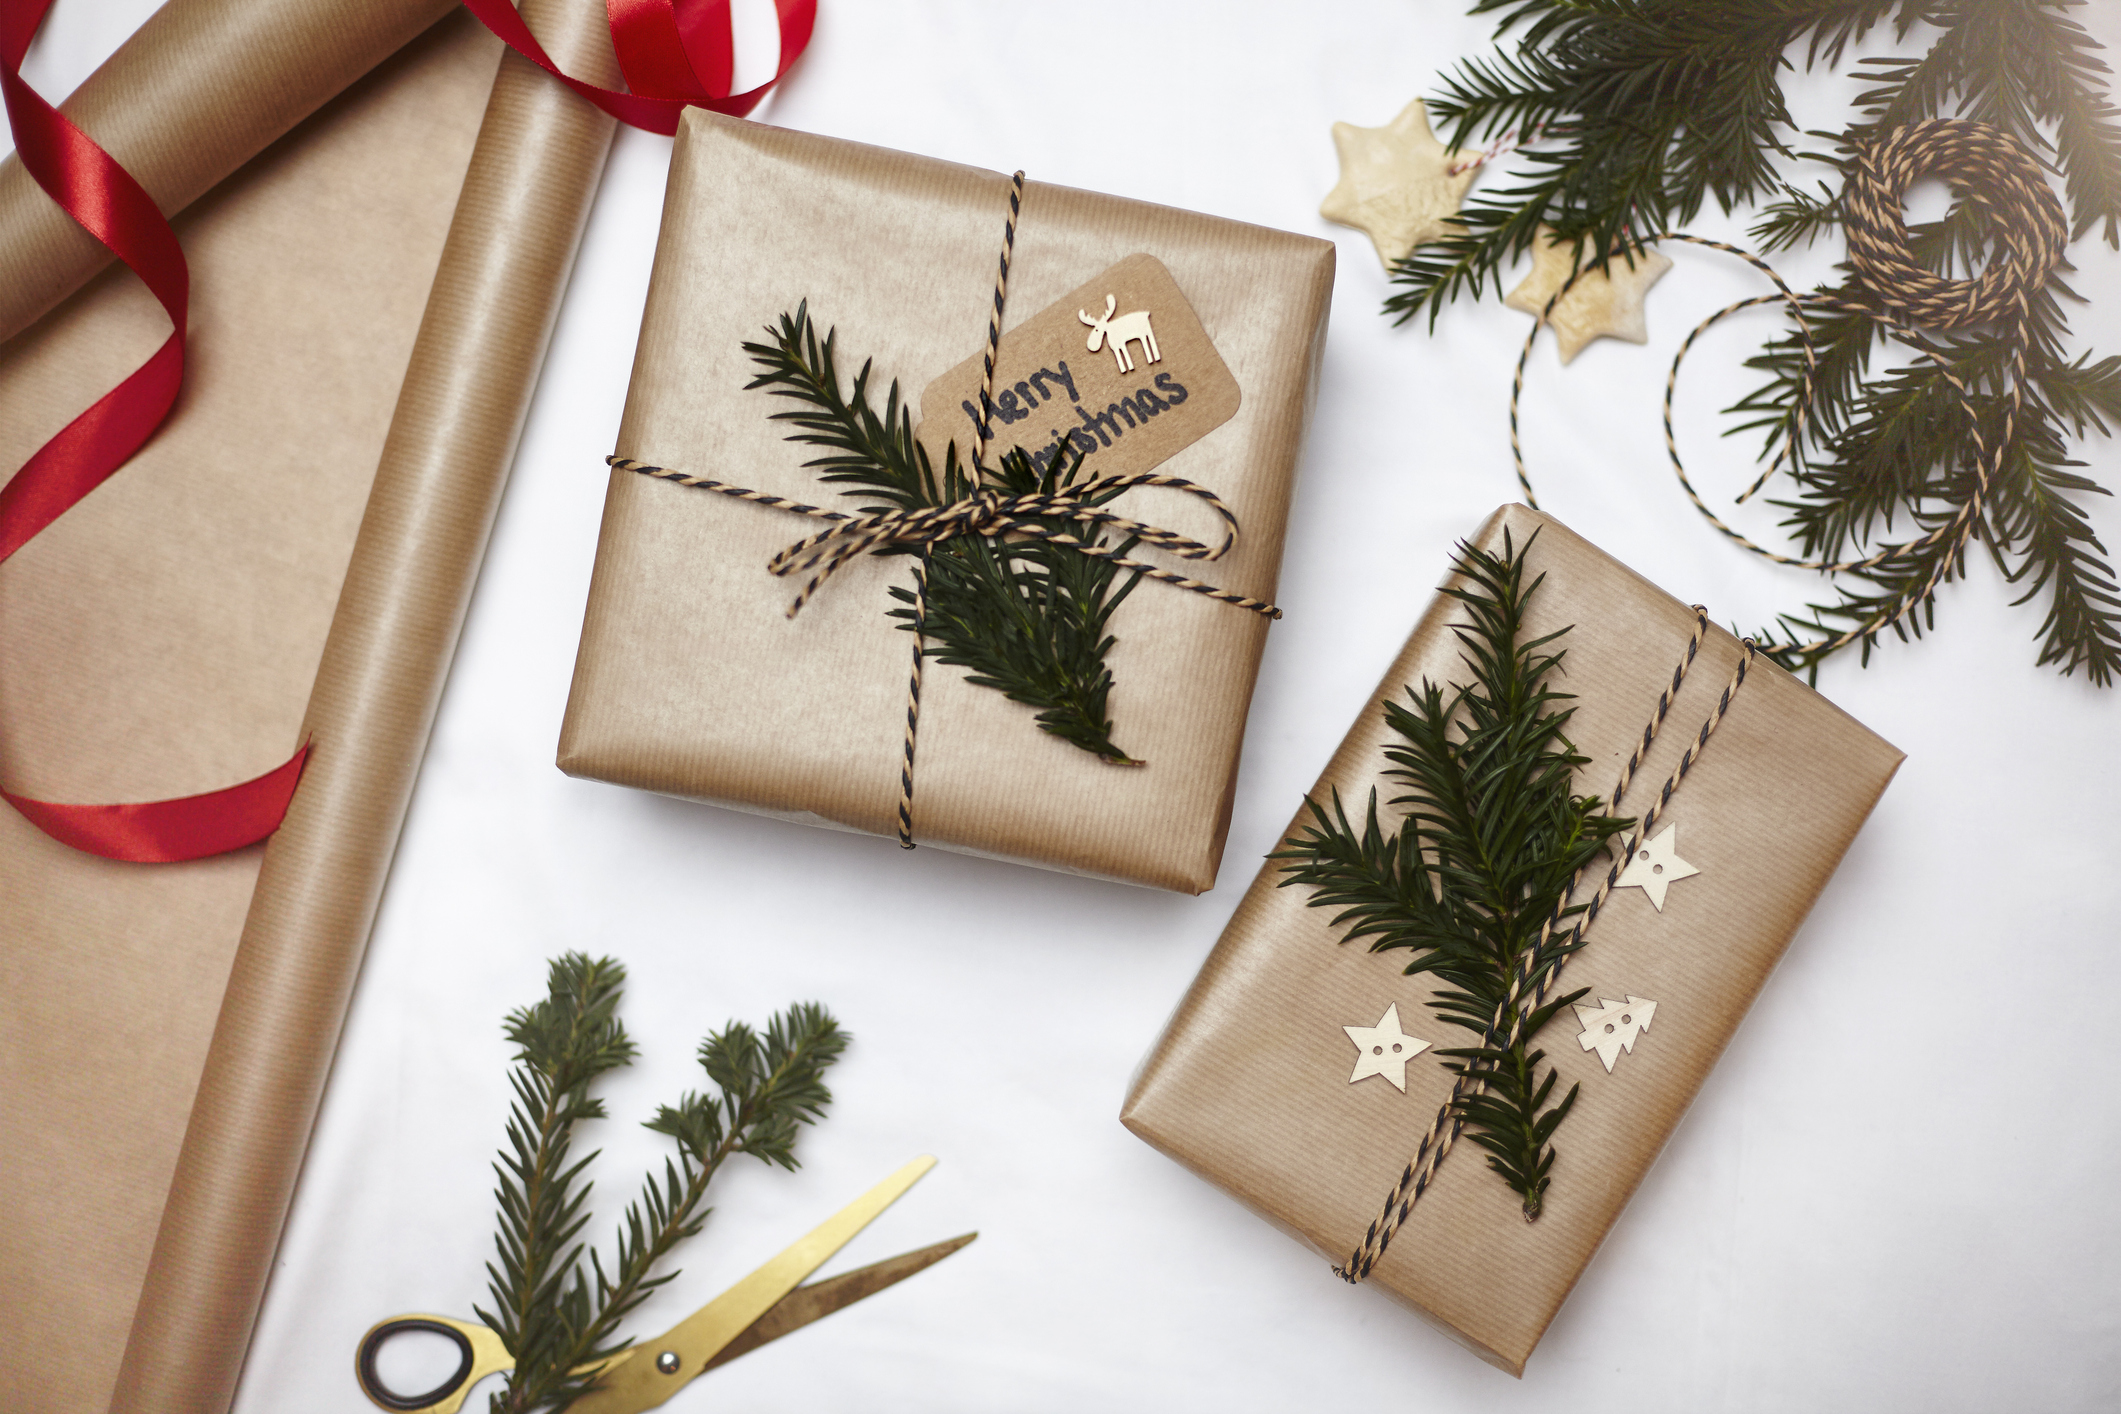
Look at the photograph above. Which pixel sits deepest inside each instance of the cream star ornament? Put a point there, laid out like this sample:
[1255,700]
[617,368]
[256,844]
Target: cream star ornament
[1654,866]
[1384,1049]
[1396,183]
[1603,304]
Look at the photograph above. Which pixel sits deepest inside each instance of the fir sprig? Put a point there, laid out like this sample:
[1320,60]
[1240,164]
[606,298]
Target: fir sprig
[559,1320]
[862,448]
[1644,111]
[1028,618]
[563,1044]
[1490,837]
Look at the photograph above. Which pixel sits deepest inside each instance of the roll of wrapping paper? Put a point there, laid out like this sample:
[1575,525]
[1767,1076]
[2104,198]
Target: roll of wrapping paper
[533,176]
[172,627]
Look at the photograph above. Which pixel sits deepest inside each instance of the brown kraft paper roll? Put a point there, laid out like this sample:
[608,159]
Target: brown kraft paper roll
[1249,1085]
[532,179]
[693,682]
[161,638]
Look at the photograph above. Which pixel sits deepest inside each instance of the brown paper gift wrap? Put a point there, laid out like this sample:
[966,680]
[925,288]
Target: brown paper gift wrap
[289,558]
[691,679]
[1249,1088]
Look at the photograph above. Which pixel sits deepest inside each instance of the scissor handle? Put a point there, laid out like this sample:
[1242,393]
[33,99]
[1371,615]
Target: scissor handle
[479,1354]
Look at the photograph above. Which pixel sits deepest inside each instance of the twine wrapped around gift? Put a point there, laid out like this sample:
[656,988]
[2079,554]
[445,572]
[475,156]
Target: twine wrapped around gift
[986,512]
[1450,1121]
[1996,173]
[989,513]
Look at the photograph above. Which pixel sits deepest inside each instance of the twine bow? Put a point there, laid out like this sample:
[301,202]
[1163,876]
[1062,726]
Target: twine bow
[986,512]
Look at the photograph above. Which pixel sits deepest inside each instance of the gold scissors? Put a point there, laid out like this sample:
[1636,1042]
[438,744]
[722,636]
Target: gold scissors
[763,1306]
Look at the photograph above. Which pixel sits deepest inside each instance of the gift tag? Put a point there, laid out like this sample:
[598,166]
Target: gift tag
[1120,368]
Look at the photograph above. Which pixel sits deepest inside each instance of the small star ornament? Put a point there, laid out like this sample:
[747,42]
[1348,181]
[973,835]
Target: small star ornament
[1397,183]
[1611,1027]
[1384,1049]
[1653,866]
[1603,304]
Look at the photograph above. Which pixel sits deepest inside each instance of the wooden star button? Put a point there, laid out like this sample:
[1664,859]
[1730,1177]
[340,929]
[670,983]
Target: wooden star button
[1653,866]
[1603,304]
[1384,1049]
[1396,183]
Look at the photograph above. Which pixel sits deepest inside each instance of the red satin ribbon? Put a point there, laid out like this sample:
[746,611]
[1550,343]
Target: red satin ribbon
[111,206]
[673,53]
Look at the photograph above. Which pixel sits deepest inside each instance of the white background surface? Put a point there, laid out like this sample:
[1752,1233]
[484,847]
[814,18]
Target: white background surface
[1895,1191]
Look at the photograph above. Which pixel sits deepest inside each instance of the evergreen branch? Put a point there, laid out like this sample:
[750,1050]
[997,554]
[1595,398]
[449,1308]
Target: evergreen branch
[864,448]
[1510,1117]
[1797,643]
[2061,555]
[1489,841]
[1901,448]
[1797,218]
[1649,109]
[2072,89]
[2087,394]
[2019,65]
[1653,108]
[1908,90]
[559,1321]
[563,1043]
[1381,883]
[1028,618]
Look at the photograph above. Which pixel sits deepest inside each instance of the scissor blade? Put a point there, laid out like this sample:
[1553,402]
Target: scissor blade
[821,1298]
[642,1383]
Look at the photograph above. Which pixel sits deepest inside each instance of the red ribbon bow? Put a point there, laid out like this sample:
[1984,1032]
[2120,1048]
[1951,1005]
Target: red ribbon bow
[674,53]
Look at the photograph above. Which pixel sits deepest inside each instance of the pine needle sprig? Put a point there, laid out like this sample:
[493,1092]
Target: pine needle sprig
[1644,111]
[864,448]
[1031,620]
[2024,66]
[1639,113]
[559,1320]
[1882,451]
[563,1044]
[1490,837]
[1904,444]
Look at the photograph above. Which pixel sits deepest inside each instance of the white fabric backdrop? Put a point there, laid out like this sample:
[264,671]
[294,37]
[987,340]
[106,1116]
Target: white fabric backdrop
[1893,1193]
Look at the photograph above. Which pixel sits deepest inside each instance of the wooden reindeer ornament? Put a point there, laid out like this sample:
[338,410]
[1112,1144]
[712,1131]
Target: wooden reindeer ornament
[1127,328]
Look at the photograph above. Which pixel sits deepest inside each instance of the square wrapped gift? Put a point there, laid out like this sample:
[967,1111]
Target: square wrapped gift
[1148,398]
[1307,1074]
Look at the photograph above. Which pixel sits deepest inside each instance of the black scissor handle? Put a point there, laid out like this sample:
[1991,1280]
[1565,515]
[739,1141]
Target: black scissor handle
[379,1393]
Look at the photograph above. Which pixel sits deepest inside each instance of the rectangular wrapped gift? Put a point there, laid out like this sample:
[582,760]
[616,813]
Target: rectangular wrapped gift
[693,679]
[1250,1085]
